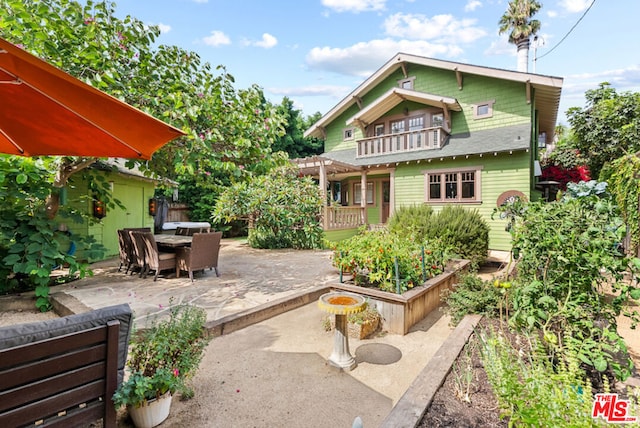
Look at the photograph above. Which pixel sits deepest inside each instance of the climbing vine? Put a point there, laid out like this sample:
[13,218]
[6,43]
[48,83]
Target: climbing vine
[624,184]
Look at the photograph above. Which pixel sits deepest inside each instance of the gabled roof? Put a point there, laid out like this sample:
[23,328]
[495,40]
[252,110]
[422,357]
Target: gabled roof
[395,96]
[544,89]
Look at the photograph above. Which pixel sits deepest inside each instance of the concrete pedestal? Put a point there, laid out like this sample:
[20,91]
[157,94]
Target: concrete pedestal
[341,357]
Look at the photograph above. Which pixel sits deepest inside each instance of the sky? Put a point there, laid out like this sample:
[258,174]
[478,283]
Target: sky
[315,52]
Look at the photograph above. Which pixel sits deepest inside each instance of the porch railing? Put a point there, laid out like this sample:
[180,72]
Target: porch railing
[343,217]
[423,139]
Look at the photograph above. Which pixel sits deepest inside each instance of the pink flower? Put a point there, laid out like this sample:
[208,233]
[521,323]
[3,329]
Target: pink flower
[176,372]
[160,305]
[241,166]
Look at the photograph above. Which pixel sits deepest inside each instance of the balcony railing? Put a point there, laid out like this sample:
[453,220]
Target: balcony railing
[343,217]
[423,139]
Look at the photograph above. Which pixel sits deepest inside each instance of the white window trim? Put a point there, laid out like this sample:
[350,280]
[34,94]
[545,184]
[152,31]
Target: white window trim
[410,80]
[357,200]
[489,104]
[459,200]
[344,134]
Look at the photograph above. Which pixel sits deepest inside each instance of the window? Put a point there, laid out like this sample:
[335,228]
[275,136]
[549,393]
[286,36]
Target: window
[406,83]
[437,120]
[357,193]
[483,109]
[347,134]
[453,185]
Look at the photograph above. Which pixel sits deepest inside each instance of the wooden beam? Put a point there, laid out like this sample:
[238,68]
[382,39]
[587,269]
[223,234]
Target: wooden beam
[528,86]
[459,78]
[358,101]
[404,69]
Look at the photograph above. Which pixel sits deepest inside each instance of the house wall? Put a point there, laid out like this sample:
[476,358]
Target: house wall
[499,173]
[132,192]
[510,107]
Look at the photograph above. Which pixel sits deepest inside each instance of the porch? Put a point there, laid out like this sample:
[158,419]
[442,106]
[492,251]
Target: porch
[414,140]
[352,195]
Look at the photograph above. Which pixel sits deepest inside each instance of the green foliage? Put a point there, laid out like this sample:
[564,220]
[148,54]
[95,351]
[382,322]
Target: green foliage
[607,128]
[472,295]
[292,141]
[463,231]
[535,391]
[371,256]
[411,222]
[30,243]
[282,208]
[568,259]
[624,184]
[164,356]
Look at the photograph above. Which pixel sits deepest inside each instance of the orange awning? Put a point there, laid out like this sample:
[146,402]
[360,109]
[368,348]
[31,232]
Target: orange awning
[45,111]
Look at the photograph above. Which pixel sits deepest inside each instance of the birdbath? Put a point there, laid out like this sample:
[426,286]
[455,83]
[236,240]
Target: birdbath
[341,304]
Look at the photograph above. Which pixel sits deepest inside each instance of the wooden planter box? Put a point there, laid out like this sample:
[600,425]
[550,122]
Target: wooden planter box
[400,312]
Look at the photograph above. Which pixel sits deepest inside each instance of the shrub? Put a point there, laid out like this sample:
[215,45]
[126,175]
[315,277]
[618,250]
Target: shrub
[568,262]
[472,295]
[531,390]
[283,209]
[462,230]
[411,222]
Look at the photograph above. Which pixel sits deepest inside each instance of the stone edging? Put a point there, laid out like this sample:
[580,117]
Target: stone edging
[413,404]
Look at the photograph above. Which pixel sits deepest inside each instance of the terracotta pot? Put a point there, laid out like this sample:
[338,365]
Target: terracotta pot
[152,413]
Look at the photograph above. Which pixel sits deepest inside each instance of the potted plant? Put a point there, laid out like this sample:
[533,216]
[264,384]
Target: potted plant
[161,359]
[359,325]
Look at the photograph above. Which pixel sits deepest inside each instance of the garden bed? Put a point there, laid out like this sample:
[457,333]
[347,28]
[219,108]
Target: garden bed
[401,311]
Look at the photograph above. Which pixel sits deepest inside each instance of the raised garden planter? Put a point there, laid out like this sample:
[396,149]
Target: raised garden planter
[401,311]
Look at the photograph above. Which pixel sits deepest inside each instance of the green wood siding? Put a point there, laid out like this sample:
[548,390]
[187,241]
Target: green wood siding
[499,174]
[133,193]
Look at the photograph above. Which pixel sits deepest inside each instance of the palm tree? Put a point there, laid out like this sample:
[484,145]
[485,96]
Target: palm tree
[517,20]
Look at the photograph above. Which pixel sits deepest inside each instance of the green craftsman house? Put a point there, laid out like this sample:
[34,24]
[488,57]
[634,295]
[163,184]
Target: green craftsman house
[426,131]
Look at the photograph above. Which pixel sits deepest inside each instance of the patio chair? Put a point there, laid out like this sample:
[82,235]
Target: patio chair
[138,252]
[124,246]
[202,254]
[156,260]
[182,231]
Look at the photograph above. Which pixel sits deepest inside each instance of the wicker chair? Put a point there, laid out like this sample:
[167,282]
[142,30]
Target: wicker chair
[154,259]
[126,250]
[202,254]
[137,252]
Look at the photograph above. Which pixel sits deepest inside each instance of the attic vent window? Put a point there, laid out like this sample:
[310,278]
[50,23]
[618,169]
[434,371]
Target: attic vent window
[406,83]
[483,110]
[347,134]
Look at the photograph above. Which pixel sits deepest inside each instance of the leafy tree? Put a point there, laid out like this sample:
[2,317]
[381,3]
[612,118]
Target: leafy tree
[518,23]
[293,142]
[607,128]
[229,132]
[283,209]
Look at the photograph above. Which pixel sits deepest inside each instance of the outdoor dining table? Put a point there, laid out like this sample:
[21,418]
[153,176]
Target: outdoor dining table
[173,241]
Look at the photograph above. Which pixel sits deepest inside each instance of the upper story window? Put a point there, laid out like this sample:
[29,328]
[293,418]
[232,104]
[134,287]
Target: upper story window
[483,109]
[451,185]
[348,134]
[437,120]
[406,83]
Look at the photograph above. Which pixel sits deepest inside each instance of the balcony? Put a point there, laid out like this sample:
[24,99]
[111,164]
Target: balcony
[410,141]
[343,217]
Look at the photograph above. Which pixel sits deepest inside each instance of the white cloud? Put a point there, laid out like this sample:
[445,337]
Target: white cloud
[164,28]
[501,46]
[268,41]
[445,28]
[201,1]
[575,6]
[217,38]
[355,6]
[312,91]
[472,5]
[362,59]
